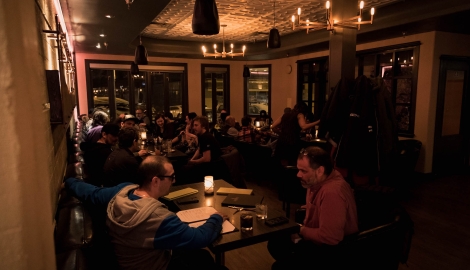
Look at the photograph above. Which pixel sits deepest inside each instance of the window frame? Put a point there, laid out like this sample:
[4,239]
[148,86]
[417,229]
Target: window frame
[132,106]
[226,89]
[415,46]
[246,89]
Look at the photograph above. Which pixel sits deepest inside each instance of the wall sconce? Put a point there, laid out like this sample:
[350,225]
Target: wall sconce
[208,185]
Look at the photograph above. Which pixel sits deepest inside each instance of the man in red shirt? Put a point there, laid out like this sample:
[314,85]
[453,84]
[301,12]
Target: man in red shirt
[330,213]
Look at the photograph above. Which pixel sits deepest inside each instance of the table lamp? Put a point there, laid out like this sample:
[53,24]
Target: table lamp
[208,185]
[143,135]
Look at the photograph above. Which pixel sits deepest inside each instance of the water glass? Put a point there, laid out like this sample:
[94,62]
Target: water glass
[261,211]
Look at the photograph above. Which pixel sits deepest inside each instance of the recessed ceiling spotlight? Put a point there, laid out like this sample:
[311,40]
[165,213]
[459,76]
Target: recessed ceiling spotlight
[109,16]
[102,35]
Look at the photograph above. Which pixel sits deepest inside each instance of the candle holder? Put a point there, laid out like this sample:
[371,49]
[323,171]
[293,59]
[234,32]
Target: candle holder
[208,185]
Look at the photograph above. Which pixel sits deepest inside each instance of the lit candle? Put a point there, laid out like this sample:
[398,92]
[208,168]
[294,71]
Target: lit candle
[208,185]
[293,21]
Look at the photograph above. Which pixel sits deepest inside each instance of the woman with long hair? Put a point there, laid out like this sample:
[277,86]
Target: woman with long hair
[162,128]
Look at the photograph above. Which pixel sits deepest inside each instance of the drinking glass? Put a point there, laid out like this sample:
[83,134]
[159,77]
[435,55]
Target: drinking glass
[246,221]
[261,211]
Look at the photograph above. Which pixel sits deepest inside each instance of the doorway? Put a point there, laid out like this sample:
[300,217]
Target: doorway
[452,136]
[216,90]
[312,82]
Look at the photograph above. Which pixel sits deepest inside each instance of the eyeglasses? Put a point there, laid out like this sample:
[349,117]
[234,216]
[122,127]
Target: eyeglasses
[173,176]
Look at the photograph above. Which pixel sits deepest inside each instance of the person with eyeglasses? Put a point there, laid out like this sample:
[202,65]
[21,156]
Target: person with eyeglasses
[144,233]
[142,119]
[330,215]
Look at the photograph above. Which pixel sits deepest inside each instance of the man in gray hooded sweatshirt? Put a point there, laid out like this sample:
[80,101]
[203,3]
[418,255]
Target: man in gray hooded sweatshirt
[143,231]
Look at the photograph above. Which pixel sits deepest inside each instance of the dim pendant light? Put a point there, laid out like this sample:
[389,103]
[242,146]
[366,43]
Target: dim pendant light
[246,72]
[274,39]
[141,54]
[134,69]
[205,18]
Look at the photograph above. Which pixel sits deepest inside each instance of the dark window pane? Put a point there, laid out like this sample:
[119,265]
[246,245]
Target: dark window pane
[369,66]
[405,63]
[404,90]
[403,117]
[258,90]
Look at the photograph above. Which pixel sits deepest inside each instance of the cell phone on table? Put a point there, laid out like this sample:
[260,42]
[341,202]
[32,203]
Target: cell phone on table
[188,200]
[271,222]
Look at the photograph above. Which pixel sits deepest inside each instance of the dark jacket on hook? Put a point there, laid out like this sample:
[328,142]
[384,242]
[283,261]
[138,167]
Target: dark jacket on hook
[360,120]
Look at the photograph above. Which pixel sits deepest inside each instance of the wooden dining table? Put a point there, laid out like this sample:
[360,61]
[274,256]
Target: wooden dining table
[237,239]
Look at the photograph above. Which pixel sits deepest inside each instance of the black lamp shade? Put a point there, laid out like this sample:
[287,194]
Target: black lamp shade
[134,69]
[246,72]
[205,18]
[274,39]
[141,55]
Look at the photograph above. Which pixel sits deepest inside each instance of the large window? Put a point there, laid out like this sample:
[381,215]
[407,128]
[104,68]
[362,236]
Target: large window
[312,79]
[158,88]
[398,66]
[258,90]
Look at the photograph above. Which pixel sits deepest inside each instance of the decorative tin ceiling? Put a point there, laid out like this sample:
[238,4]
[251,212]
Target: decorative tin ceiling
[246,20]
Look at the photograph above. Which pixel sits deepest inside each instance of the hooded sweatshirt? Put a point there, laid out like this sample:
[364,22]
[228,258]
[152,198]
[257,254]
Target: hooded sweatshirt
[143,231]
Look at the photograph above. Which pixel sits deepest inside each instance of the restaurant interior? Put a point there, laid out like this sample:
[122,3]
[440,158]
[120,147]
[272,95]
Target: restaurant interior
[64,58]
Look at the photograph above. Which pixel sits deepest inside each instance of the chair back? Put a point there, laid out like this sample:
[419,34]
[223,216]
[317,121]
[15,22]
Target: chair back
[290,189]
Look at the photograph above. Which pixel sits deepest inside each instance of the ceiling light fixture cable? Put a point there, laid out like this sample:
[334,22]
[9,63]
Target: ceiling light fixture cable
[141,56]
[274,38]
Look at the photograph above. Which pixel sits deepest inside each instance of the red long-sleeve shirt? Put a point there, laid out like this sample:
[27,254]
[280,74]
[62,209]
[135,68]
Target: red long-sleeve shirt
[331,211]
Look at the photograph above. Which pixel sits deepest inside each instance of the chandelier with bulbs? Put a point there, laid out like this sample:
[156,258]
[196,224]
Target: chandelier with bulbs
[353,22]
[223,54]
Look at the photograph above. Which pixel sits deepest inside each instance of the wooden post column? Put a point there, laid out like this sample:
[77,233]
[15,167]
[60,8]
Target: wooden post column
[342,42]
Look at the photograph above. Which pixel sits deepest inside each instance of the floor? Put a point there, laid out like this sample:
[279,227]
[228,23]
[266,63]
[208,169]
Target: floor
[439,207]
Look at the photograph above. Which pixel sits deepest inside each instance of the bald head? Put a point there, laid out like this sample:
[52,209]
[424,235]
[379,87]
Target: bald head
[151,166]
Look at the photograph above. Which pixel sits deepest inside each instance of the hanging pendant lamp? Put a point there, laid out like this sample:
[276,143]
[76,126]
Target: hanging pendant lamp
[141,54]
[134,69]
[274,39]
[246,72]
[205,18]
